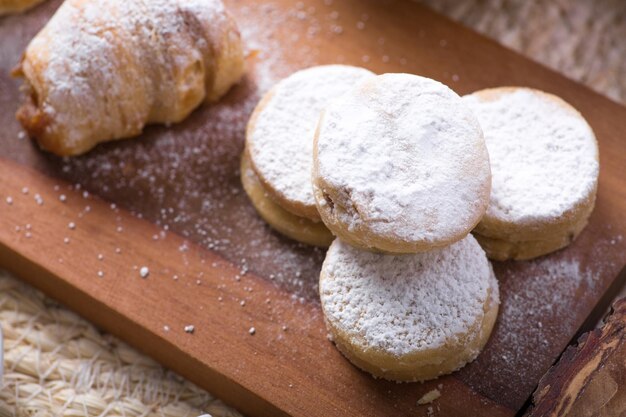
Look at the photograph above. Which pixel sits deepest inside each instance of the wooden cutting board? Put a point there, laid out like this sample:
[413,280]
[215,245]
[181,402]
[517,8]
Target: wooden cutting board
[80,229]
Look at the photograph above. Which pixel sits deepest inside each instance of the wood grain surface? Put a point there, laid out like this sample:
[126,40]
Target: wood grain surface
[171,200]
[589,378]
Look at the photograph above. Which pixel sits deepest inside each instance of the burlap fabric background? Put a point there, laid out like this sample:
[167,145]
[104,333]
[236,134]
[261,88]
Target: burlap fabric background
[58,364]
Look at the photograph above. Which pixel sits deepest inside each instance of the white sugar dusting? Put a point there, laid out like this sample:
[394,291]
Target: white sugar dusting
[405,303]
[281,143]
[144,272]
[537,316]
[402,156]
[544,156]
[83,38]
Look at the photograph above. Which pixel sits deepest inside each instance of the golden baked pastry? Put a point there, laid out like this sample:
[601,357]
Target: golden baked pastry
[295,227]
[544,162]
[101,70]
[520,250]
[409,317]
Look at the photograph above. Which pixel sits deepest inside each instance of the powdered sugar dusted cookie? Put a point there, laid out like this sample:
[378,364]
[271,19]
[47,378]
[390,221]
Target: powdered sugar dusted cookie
[544,160]
[280,133]
[400,165]
[296,227]
[409,317]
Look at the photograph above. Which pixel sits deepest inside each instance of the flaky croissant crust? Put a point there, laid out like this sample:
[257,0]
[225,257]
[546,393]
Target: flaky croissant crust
[103,69]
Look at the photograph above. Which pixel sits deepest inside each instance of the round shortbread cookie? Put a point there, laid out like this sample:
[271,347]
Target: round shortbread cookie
[279,136]
[400,165]
[502,249]
[298,228]
[544,162]
[409,317]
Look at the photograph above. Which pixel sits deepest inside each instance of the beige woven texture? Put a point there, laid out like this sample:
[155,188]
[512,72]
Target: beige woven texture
[57,364]
[584,40]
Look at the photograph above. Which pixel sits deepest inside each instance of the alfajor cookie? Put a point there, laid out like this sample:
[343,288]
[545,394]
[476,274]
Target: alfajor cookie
[279,137]
[544,161]
[295,227]
[400,165]
[409,317]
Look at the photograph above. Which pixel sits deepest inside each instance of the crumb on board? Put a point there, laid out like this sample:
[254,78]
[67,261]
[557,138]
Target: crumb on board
[429,397]
[190,328]
[144,272]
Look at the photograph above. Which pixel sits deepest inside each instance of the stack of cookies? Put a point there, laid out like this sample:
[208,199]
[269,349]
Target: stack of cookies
[396,166]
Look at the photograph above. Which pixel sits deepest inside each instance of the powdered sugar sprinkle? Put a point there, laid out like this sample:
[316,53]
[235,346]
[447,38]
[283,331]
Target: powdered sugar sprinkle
[407,302]
[402,156]
[544,156]
[281,144]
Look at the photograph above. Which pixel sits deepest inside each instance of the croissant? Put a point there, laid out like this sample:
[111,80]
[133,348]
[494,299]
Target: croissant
[16,6]
[101,70]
